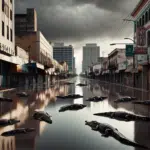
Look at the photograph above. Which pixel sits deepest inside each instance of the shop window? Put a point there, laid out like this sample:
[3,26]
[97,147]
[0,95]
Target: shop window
[148,38]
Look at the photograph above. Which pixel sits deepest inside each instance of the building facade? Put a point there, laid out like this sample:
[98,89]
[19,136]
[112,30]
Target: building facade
[26,22]
[64,53]
[91,52]
[141,17]
[37,46]
[74,65]
[7,46]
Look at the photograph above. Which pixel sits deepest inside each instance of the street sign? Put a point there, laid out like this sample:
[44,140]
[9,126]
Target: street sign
[129,50]
[140,50]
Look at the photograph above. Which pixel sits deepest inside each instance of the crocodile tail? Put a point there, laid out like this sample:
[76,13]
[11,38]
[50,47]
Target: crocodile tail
[137,145]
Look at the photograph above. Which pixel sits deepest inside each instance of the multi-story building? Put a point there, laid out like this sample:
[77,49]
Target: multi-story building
[91,52]
[74,65]
[7,47]
[37,46]
[141,18]
[26,22]
[64,53]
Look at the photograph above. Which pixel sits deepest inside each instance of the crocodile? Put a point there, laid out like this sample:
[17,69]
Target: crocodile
[72,107]
[107,130]
[22,94]
[147,102]
[4,99]
[70,96]
[68,83]
[81,84]
[18,131]
[42,116]
[125,99]
[123,116]
[96,99]
[6,122]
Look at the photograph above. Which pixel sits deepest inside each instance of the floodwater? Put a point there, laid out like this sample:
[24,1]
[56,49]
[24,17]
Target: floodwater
[68,131]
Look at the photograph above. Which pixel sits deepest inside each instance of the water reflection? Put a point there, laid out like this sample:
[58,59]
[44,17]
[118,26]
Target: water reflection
[68,130]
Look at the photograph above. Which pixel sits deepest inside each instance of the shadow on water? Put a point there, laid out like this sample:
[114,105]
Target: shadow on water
[68,130]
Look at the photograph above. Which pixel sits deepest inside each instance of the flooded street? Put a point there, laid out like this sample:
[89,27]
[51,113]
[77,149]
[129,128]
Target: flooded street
[68,130]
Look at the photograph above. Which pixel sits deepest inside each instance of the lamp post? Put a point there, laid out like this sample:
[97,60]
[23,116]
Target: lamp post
[133,21]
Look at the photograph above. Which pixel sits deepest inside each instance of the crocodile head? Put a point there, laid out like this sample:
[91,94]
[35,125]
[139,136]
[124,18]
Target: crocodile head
[92,124]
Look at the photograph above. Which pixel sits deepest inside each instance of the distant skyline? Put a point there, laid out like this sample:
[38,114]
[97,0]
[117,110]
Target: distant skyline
[78,22]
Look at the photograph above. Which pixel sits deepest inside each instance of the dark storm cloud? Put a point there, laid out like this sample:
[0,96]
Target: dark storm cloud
[80,19]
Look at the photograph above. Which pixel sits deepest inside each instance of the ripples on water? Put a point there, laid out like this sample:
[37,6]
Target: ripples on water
[68,130]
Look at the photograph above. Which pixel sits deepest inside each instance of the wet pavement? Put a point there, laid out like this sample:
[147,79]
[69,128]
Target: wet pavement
[68,131]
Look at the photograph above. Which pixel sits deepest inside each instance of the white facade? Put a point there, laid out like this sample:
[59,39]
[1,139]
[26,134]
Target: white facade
[7,39]
[45,49]
[91,52]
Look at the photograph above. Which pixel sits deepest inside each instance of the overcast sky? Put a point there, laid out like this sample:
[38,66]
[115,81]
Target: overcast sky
[78,22]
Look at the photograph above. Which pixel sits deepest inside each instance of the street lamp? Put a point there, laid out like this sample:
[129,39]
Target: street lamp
[130,39]
[129,20]
[112,44]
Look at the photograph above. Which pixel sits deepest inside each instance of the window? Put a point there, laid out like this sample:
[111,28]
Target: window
[143,20]
[11,35]
[3,5]
[146,17]
[7,32]
[149,14]
[148,38]
[7,10]
[140,22]
[10,14]
[3,29]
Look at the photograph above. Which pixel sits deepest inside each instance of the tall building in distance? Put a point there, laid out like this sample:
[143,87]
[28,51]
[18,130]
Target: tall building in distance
[26,22]
[64,53]
[74,65]
[91,52]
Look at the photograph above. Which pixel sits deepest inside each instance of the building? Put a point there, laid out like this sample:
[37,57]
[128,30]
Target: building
[7,46]
[65,66]
[37,46]
[141,17]
[91,52]
[64,53]
[26,22]
[74,65]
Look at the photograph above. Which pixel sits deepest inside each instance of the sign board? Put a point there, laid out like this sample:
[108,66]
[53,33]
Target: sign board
[141,59]
[122,66]
[129,50]
[140,50]
[141,36]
